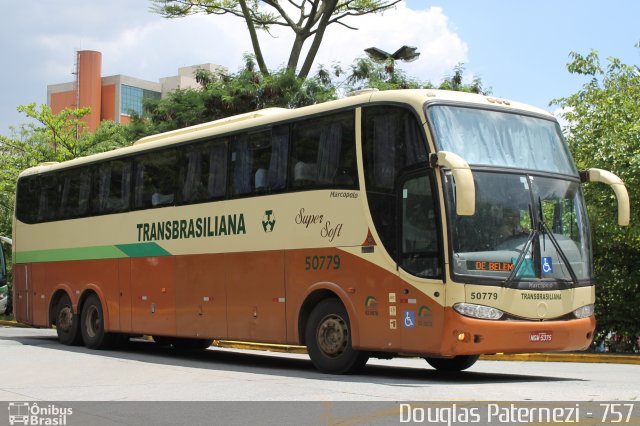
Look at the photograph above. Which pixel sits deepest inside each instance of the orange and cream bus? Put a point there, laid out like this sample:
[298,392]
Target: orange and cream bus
[429,223]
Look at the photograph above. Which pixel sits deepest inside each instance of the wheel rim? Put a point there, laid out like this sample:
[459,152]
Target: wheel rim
[332,336]
[65,319]
[92,321]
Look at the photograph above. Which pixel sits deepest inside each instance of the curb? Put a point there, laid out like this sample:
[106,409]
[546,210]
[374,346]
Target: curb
[566,357]
[8,323]
[541,357]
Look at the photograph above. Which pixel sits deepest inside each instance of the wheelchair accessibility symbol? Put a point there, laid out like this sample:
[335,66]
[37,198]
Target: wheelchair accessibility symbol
[409,319]
[547,265]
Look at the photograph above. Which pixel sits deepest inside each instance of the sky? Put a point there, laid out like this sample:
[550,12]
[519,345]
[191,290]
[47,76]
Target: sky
[518,48]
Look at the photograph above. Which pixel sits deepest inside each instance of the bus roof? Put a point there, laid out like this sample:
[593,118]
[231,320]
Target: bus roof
[265,117]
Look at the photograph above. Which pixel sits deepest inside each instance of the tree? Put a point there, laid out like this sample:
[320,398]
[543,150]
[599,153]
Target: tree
[603,131]
[383,75]
[308,19]
[62,130]
[225,94]
[54,138]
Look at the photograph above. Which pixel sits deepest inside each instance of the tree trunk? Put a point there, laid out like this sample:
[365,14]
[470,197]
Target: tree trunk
[254,38]
[317,39]
[296,50]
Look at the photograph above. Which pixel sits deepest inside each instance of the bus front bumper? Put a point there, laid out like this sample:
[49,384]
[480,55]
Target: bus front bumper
[470,336]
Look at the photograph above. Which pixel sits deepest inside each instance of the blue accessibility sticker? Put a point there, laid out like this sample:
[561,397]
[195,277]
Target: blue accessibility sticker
[409,319]
[547,265]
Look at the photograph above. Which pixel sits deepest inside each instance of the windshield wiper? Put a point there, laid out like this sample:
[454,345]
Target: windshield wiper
[532,235]
[547,231]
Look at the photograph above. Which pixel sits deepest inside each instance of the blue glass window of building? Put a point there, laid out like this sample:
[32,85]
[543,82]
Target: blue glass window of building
[131,99]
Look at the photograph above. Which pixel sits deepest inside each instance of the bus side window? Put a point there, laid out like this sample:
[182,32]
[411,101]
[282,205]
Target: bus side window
[203,175]
[155,174]
[277,172]
[323,153]
[113,185]
[49,198]
[76,192]
[259,161]
[27,199]
[241,163]
[392,142]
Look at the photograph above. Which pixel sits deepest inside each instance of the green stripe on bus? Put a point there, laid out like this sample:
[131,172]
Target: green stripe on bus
[143,250]
[92,253]
[80,253]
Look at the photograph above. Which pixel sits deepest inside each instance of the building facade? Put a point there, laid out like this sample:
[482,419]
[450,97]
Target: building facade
[115,97]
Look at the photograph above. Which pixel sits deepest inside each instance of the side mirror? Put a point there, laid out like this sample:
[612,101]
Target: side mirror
[599,175]
[465,188]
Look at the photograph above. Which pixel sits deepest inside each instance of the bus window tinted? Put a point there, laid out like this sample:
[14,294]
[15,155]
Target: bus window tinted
[392,142]
[323,153]
[27,198]
[203,175]
[48,198]
[258,161]
[155,177]
[113,187]
[76,193]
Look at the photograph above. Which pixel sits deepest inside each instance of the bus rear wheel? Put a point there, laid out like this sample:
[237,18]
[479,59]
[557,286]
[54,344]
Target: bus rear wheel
[67,323]
[92,325]
[457,363]
[328,338]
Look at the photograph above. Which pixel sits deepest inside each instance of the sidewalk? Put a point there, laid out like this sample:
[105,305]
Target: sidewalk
[542,357]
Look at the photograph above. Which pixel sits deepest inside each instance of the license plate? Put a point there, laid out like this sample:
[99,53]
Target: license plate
[540,336]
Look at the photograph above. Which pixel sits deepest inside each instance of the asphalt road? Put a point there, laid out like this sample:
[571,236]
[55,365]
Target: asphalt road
[36,367]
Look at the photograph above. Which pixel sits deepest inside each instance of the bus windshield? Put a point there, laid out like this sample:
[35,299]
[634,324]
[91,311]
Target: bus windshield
[501,139]
[535,225]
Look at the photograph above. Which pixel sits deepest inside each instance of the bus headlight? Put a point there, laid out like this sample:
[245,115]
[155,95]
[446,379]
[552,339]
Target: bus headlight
[585,311]
[478,311]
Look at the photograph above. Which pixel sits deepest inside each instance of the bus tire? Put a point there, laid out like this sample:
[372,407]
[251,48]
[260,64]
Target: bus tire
[457,363]
[328,338]
[92,325]
[67,323]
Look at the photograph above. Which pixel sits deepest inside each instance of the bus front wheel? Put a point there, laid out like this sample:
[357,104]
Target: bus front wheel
[457,363]
[92,325]
[67,323]
[328,338]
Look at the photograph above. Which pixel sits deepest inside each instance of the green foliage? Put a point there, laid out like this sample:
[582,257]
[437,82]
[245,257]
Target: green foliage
[603,131]
[223,95]
[367,73]
[455,82]
[52,138]
[60,130]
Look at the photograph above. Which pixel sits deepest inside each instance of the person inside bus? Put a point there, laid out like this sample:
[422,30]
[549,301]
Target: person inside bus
[511,225]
